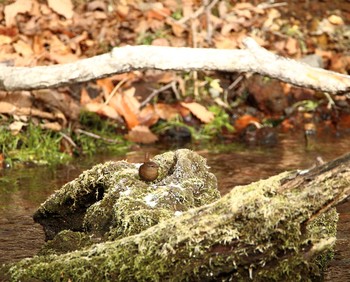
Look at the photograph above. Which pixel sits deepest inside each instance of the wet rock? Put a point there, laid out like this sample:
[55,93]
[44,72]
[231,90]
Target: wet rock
[177,134]
[260,136]
[267,94]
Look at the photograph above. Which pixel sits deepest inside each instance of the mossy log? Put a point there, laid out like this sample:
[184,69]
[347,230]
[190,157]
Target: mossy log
[270,230]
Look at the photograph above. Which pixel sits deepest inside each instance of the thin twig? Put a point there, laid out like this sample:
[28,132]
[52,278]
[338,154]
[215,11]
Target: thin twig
[93,135]
[331,102]
[174,88]
[209,23]
[197,13]
[271,5]
[207,16]
[114,91]
[234,84]
[231,86]
[194,45]
[70,140]
[154,93]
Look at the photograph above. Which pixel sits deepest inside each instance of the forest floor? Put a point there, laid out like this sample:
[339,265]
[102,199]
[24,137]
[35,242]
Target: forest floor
[155,106]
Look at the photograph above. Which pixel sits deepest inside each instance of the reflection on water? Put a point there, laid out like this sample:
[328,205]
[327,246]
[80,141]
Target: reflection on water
[244,166]
[22,190]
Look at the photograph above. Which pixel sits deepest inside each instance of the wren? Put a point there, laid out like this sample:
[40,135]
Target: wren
[148,171]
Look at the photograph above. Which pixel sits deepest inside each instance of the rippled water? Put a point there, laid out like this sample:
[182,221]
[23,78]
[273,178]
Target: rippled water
[22,190]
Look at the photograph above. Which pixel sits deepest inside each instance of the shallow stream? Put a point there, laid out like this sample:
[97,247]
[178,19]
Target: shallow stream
[22,190]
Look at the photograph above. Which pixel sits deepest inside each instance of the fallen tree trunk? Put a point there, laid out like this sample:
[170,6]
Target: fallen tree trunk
[128,58]
[273,229]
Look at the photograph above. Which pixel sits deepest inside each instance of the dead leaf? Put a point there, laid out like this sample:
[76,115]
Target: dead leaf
[227,28]
[57,46]
[84,97]
[122,10]
[270,24]
[162,77]
[23,48]
[222,9]
[336,20]
[244,13]
[160,42]
[158,14]
[58,100]
[141,134]
[287,125]
[8,31]
[242,122]
[121,105]
[19,99]
[63,59]
[184,112]
[165,111]
[187,8]
[225,42]
[144,7]
[38,45]
[55,126]
[148,116]
[5,39]
[7,108]
[102,109]
[45,10]
[62,7]
[17,126]
[344,121]
[107,86]
[291,46]
[199,111]
[96,5]
[2,161]
[129,98]
[243,6]
[177,29]
[11,11]
[99,15]
[340,63]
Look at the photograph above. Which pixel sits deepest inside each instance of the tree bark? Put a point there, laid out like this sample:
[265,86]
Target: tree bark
[129,58]
[270,230]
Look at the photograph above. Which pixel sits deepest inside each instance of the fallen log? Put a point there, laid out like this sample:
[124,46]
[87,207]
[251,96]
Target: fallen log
[276,229]
[253,59]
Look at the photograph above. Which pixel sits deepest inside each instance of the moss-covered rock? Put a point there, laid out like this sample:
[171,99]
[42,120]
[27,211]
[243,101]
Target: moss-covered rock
[110,201]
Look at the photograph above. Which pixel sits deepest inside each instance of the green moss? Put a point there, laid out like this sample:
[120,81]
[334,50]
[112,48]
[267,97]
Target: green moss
[325,226]
[221,121]
[66,241]
[42,146]
[105,129]
[32,144]
[110,201]
[254,232]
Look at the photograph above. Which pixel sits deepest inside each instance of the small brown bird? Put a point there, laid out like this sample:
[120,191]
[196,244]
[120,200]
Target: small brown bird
[148,171]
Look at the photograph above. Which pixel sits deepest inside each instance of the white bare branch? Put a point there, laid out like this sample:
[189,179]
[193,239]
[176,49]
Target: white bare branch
[129,58]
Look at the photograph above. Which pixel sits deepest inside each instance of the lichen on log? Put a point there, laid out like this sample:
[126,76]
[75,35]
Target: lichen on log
[270,230]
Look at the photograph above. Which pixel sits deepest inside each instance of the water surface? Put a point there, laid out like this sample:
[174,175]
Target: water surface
[22,190]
